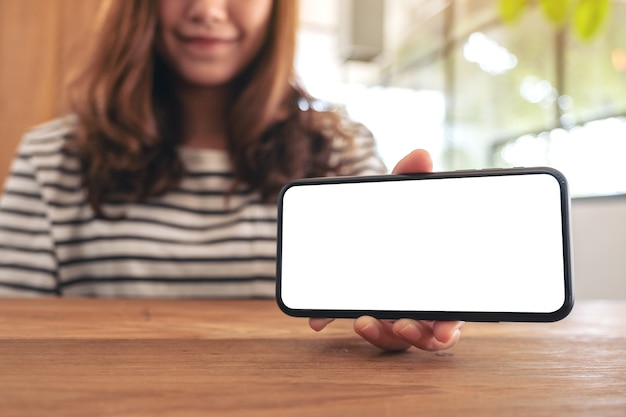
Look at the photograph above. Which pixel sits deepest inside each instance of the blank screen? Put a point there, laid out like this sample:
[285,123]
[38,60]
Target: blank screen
[469,244]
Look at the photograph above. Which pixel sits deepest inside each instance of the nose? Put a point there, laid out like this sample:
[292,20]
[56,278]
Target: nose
[208,11]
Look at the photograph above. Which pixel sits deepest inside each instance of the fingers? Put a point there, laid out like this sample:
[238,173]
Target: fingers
[379,333]
[417,161]
[400,335]
[430,336]
[447,331]
[319,324]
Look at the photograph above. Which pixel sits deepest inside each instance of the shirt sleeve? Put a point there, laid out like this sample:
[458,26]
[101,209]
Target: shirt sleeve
[28,265]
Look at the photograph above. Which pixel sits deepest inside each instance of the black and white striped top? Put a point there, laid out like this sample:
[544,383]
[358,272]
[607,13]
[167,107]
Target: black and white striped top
[192,242]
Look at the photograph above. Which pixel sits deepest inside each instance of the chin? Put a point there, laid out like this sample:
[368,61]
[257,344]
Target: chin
[208,79]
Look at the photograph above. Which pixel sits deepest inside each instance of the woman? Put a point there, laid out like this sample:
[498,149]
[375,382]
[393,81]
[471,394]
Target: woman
[185,123]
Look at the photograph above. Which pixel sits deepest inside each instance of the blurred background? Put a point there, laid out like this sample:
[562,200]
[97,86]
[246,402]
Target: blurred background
[478,83]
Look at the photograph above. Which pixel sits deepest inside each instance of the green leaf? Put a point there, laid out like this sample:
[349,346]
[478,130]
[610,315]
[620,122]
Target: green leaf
[557,11]
[589,17]
[511,10]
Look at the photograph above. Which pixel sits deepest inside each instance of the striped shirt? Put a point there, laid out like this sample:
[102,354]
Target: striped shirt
[192,242]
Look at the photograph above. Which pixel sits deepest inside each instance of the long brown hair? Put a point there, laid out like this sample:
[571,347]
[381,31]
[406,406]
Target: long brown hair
[126,135]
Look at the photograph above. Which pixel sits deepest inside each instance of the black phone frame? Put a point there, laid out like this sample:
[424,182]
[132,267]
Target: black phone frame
[469,316]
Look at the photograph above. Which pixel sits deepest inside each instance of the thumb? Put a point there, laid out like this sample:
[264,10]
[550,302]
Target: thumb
[417,161]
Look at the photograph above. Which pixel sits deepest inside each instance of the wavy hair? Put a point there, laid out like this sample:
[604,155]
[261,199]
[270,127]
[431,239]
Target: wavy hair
[127,119]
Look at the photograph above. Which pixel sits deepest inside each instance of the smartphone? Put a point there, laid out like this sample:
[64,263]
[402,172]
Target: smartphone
[476,245]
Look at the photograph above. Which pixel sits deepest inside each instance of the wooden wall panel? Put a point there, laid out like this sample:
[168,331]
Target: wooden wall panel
[40,40]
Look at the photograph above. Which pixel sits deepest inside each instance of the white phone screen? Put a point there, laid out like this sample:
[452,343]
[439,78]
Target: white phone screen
[480,243]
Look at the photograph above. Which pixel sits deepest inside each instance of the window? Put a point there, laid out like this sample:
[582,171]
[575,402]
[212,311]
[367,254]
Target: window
[477,92]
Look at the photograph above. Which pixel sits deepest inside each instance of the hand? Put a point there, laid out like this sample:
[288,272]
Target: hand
[395,335]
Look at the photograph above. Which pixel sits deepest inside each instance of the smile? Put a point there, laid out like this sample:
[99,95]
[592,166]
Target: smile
[205,46]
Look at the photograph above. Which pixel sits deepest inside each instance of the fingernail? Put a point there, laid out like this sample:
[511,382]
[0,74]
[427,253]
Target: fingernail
[455,333]
[370,331]
[410,332]
[456,330]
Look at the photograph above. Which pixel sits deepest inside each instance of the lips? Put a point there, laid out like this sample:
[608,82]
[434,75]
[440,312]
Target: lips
[205,39]
[205,46]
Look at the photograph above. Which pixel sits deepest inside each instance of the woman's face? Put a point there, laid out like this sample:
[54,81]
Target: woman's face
[209,42]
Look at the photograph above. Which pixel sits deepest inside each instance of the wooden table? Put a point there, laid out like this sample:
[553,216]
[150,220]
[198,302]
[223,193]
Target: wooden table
[103,357]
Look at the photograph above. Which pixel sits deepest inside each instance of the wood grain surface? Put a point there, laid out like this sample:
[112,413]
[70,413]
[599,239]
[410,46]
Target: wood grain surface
[103,357]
